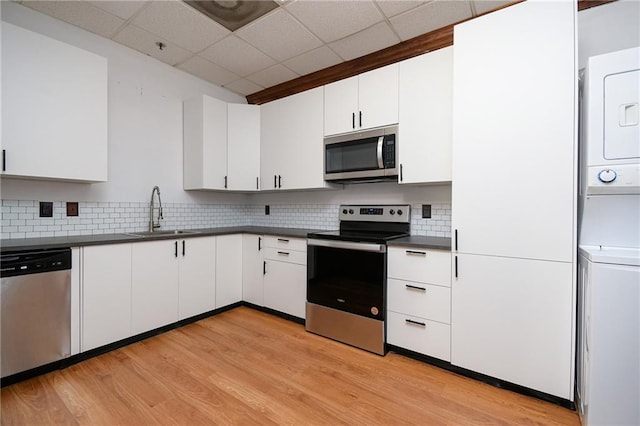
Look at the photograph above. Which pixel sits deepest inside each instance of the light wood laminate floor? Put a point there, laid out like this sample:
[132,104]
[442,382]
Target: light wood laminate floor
[247,367]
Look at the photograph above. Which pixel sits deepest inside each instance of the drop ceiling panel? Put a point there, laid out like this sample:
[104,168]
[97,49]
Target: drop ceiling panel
[243,87]
[274,75]
[279,35]
[314,60]
[145,42]
[238,56]
[367,41]
[177,22]
[80,14]
[392,8]
[333,20]
[430,17]
[488,5]
[209,71]
[121,9]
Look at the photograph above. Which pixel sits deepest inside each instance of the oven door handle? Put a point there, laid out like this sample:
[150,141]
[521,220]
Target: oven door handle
[348,245]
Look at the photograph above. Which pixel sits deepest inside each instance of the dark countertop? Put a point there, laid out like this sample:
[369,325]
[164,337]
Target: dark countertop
[89,240]
[420,241]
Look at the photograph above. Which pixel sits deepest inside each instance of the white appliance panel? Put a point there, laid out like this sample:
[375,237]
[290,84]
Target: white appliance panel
[621,116]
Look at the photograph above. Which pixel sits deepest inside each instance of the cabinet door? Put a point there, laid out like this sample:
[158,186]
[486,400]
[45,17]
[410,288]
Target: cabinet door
[106,295]
[154,295]
[425,98]
[292,143]
[285,287]
[514,133]
[378,97]
[54,108]
[197,276]
[341,106]
[243,147]
[512,319]
[228,269]
[252,286]
[204,143]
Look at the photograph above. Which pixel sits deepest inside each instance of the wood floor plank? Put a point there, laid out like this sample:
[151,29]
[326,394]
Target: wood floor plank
[245,367]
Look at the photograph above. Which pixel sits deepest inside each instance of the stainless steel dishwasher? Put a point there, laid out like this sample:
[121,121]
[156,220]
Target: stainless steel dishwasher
[36,308]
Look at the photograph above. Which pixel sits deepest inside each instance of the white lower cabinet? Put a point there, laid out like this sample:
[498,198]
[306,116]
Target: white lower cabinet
[252,269]
[512,319]
[155,290]
[285,275]
[197,285]
[419,335]
[228,270]
[106,295]
[419,300]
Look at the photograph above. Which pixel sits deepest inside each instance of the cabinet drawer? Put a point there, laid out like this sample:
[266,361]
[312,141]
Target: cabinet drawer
[299,244]
[420,265]
[419,335]
[284,255]
[423,300]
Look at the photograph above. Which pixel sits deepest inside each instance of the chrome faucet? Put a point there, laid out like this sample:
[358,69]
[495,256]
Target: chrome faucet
[155,223]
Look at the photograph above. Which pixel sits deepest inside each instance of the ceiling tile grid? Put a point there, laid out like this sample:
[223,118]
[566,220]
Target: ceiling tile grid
[296,38]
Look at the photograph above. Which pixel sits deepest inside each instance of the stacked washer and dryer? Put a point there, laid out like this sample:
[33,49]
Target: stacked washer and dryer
[608,362]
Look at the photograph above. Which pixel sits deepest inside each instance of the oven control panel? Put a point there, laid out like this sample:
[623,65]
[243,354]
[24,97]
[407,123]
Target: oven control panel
[376,213]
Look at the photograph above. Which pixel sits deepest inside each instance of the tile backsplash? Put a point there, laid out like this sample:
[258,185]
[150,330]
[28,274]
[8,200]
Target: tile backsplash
[20,219]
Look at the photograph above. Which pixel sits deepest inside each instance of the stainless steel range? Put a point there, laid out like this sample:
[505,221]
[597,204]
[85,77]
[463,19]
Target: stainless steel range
[347,275]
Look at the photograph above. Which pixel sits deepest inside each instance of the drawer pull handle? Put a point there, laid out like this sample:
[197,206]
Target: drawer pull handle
[419,253]
[413,287]
[412,322]
[282,240]
[284,253]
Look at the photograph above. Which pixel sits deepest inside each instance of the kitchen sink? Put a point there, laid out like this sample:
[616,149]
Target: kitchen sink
[176,232]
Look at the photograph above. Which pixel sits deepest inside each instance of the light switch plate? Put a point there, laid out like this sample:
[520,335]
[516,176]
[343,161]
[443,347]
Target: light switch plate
[72,209]
[46,209]
[426,211]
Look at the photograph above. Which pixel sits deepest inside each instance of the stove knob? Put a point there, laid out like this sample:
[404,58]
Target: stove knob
[344,211]
[350,211]
[392,212]
[399,212]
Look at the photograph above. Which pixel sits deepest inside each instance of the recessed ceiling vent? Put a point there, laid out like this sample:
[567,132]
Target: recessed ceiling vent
[234,14]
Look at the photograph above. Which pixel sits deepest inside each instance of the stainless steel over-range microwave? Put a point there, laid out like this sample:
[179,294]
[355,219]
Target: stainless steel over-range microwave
[362,156]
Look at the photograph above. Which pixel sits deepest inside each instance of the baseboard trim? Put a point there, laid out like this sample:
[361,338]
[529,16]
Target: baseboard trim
[483,378]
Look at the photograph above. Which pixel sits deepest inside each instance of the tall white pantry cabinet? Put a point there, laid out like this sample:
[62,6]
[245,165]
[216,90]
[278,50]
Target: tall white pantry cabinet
[514,195]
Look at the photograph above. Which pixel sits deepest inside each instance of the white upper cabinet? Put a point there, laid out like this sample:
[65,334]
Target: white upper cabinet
[425,111]
[205,143]
[54,109]
[514,133]
[221,145]
[243,147]
[292,150]
[362,102]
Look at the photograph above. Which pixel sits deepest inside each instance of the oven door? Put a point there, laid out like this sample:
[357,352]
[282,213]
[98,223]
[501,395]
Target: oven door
[348,276]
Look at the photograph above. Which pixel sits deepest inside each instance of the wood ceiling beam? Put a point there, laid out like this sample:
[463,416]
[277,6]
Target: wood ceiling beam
[424,43]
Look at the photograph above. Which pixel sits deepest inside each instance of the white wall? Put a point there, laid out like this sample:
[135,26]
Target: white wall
[607,28]
[145,123]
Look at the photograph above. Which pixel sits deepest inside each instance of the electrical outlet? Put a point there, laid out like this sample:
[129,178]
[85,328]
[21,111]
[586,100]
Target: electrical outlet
[46,209]
[266,210]
[426,211]
[72,209]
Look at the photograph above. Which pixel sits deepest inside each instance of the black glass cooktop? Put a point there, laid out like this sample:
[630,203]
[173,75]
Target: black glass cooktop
[358,236]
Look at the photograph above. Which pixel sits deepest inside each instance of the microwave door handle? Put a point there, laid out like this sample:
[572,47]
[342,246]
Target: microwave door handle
[380,159]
